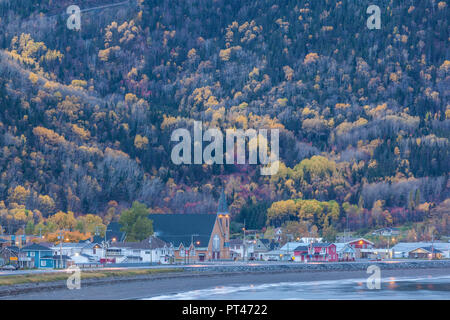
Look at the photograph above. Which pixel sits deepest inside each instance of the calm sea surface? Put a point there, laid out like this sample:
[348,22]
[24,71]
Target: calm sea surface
[426,287]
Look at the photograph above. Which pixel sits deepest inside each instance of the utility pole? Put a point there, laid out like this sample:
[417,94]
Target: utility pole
[244,258]
[60,248]
[432,246]
[151,250]
[389,239]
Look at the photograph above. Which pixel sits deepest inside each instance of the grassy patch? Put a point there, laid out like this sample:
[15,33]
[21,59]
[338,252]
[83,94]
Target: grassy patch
[94,274]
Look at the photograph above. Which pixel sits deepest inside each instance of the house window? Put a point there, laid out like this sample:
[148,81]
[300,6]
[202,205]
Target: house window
[32,254]
[43,263]
[216,243]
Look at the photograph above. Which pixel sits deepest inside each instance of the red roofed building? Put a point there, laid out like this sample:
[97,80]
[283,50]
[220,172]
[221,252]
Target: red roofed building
[361,243]
[325,252]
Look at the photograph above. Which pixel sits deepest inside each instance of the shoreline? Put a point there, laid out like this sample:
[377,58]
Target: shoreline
[196,277]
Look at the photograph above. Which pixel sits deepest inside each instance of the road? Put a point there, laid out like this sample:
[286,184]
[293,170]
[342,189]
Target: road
[199,265]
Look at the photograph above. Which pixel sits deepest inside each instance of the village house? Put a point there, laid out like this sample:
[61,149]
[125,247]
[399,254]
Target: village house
[262,246]
[42,256]
[301,253]
[425,253]
[273,255]
[361,245]
[70,249]
[345,252]
[196,237]
[236,249]
[14,256]
[254,249]
[55,262]
[321,251]
[402,249]
[152,251]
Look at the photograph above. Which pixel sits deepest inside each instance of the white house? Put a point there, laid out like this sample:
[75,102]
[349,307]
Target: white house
[344,251]
[237,248]
[275,255]
[402,249]
[151,250]
[70,249]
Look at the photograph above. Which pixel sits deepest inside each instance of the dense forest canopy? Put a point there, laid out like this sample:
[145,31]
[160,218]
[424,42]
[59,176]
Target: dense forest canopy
[86,116]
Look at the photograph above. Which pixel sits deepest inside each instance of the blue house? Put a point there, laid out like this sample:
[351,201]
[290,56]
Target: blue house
[36,253]
[55,262]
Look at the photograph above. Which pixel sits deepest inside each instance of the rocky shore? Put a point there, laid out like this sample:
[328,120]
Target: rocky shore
[216,272]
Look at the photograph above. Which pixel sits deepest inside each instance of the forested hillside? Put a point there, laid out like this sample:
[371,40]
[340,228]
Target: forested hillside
[364,115]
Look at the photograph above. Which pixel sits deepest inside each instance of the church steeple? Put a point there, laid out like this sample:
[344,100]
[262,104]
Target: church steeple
[223,207]
[223,218]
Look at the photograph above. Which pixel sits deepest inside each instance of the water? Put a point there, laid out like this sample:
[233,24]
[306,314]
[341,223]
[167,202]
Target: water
[426,287]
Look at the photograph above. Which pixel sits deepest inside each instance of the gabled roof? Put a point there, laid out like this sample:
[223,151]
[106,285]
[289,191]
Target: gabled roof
[36,247]
[321,244]
[358,239]
[301,248]
[343,245]
[57,257]
[408,246]
[183,228]
[155,242]
[66,245]
[147,244]
[13,249]
[429,249]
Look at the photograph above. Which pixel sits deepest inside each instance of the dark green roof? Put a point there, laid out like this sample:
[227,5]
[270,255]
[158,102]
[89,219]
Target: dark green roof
[179,228]
[36,247]
[223,207]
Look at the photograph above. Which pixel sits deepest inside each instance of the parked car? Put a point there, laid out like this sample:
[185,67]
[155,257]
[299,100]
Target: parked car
[9,267]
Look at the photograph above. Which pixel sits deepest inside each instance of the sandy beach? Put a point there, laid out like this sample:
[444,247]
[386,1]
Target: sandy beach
[148,288]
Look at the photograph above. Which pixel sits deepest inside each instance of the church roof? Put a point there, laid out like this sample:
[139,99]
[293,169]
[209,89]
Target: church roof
[183,228]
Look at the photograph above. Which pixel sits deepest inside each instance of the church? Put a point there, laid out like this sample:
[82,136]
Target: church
[196,237]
